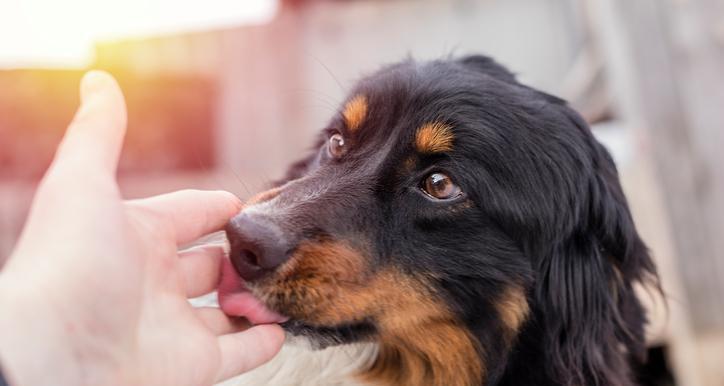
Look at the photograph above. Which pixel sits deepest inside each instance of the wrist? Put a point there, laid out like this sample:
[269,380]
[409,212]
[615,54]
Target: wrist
[31,348]
[41,343]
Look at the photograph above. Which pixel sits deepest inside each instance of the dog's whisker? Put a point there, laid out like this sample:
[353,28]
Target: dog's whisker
[237,177]
[336,80]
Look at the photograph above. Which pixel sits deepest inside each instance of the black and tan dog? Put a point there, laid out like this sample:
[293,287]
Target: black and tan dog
[467,229]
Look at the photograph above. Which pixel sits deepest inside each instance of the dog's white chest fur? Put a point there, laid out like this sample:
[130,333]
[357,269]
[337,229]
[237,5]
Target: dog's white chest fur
[300,366]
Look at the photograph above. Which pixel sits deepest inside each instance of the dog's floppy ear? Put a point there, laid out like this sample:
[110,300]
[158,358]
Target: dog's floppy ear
[593,320]
[488,66]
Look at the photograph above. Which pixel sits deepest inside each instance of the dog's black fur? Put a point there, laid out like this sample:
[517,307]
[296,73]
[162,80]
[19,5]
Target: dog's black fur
[542,210]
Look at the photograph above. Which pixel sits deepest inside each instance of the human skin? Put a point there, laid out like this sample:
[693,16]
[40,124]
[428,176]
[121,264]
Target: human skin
[95,291]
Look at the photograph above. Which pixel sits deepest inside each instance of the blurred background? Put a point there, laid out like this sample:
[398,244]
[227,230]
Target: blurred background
[225,94]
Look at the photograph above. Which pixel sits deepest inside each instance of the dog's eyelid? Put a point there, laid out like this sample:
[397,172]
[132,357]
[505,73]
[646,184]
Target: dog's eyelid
[462,196]
[336,129]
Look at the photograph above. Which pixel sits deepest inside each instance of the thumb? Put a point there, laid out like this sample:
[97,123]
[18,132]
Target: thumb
[243,351]
[95,136]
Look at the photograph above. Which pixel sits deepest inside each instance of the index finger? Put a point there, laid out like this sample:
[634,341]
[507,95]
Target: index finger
[191,214]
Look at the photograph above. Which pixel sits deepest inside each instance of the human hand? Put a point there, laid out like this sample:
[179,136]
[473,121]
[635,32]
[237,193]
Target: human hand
[95,292]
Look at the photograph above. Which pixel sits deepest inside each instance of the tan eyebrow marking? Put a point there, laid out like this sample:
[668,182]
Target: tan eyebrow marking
[355,112]
[434,137]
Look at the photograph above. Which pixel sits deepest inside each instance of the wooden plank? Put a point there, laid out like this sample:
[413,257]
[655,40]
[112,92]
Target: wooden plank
[654,91]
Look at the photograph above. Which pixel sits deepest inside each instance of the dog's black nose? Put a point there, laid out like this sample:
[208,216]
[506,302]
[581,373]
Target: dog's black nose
[257,246]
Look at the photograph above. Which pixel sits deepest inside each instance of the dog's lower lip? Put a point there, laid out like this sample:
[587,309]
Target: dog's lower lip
[236,300]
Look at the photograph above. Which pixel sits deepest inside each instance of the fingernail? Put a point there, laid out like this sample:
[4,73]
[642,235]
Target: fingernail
[93,82]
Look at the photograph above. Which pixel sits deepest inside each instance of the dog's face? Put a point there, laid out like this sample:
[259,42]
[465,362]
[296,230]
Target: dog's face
[423,219]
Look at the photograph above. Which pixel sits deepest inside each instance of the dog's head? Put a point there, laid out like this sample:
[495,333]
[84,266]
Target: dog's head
[450,214]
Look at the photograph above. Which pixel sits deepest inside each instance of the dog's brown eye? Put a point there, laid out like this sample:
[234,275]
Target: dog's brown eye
[440,186]
[336,145]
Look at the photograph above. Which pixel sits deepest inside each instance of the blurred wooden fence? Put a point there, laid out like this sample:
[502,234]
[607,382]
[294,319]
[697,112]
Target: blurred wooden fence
[665,61]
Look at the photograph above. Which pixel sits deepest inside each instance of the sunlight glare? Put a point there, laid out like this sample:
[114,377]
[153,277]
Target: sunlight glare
[52,33]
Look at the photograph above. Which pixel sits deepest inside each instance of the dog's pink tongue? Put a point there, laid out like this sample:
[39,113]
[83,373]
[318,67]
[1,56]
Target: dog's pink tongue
[236,300]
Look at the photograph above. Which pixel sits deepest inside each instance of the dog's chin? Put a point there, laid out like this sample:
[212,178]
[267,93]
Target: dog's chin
[321,337]
[315,335]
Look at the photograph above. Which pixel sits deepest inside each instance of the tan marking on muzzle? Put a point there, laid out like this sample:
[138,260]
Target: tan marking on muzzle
[328,283]
[263,196]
